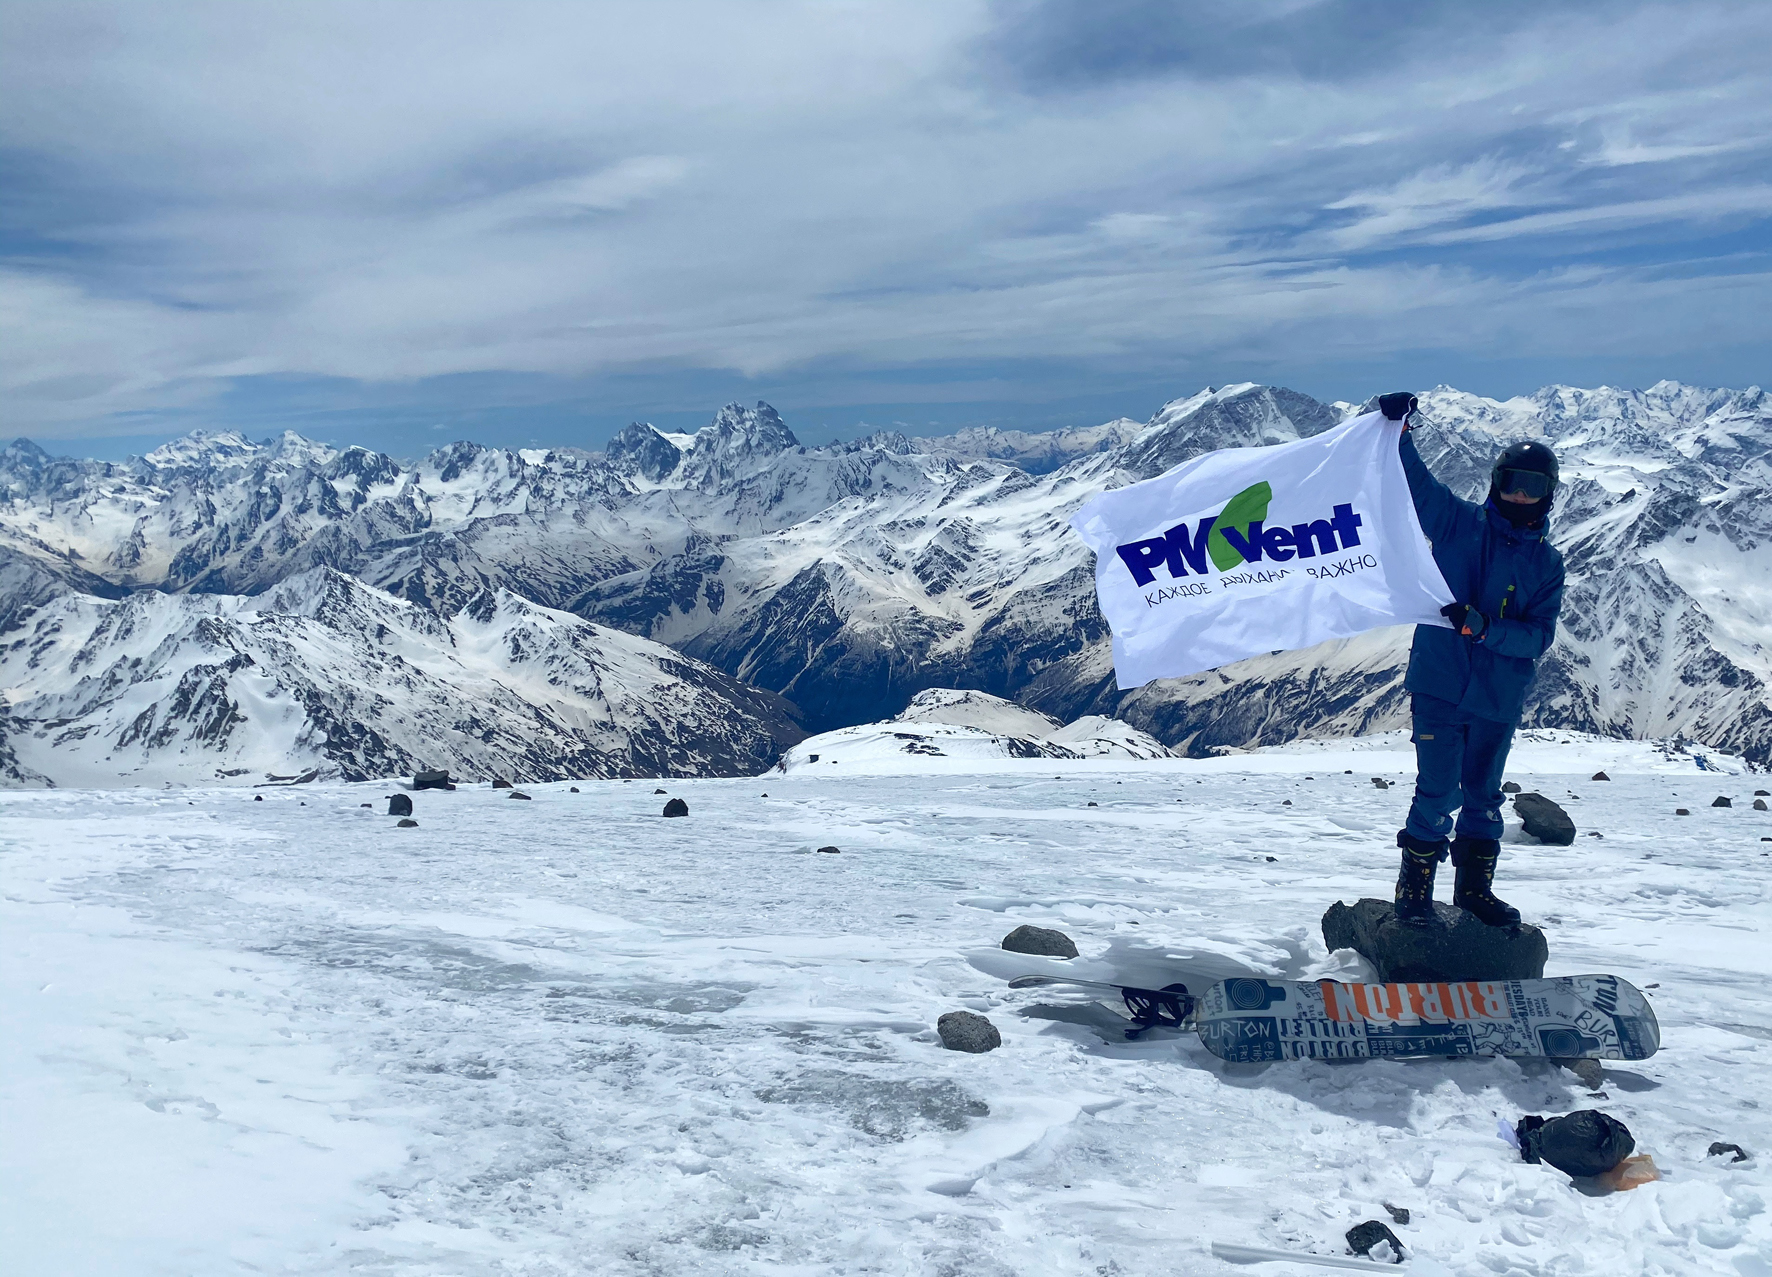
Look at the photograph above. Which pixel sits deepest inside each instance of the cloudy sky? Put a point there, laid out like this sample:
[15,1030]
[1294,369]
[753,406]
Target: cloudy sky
[402,223]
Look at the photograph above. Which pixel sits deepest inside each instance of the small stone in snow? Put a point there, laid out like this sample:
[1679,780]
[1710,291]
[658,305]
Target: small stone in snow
[1759,804]
[499,782]
[407,824]
[1681,811]
[1511,787]
[1399,1214]
[658,791]
[1589,1071]
[1043,941]
[1544,820]
[518,793]
[1361,1238]
[1601,776]
[1273,860]
[676,807]
[968,1031]
[1287,803]
[1094,804]
[1722,802]
[1761,793]
[399,805]
[258,798]
[830,851]
[1719,1148]
[369,805]
[1379,782]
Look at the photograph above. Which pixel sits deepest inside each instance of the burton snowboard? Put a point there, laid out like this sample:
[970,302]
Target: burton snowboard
[1246,1020]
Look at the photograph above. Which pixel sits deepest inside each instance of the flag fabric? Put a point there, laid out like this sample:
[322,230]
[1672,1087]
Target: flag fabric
[1252,550]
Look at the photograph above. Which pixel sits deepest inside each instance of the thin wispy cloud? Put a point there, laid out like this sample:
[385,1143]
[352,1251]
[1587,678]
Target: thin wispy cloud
[212,209]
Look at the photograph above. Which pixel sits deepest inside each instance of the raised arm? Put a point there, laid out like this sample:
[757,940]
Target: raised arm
[1435,505]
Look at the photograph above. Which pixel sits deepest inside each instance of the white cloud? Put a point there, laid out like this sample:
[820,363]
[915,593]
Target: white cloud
[396,191]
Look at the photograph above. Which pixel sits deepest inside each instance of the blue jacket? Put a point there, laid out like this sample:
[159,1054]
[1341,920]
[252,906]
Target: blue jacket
[1513,576]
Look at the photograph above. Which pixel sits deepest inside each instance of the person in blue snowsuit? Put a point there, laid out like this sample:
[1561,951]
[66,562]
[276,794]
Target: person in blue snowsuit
[1468,684]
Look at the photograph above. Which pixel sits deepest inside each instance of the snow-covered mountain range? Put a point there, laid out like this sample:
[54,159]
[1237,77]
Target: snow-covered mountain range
[848,578]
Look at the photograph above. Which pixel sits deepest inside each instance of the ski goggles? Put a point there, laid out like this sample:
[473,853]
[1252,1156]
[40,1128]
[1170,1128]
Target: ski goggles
[1532,484]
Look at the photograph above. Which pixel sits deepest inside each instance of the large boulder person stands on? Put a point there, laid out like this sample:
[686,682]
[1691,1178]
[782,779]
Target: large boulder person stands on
[1468,680]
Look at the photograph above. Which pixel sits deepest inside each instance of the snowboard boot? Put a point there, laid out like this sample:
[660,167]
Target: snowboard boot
[1475,860]
[1415,881]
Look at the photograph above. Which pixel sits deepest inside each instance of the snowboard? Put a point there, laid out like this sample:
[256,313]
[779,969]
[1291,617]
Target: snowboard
[1247,1020]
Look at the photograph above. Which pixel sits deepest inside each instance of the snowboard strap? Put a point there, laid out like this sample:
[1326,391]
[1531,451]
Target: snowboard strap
[1166,1008]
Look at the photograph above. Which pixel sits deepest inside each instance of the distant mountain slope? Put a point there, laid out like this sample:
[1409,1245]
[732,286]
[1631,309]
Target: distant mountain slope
[323,672]
[849,578]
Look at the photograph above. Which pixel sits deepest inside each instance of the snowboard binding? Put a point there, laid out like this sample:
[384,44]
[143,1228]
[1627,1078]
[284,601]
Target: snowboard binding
[1170,1007]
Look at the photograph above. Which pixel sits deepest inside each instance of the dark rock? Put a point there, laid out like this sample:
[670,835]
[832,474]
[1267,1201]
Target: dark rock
[1681,811]
[258,798]
[1601,776]
[1399,1214]
[407,824]
[812,758]
[1719,1148]
[1722,802]
[1510,787]
[1379,782]
[676,807]
[968,1031]
[432,780]
[1761,793]
[399,805]
[830,851]
[1273,860]
[1040,940]
[499,782]
[518,793]
[371,806]
[1287,803]
[659,791]
[573,790]
[1592,1075]
[1361,1238]
[1094,804]
[1544,820]
[1458,948]
[1759,804]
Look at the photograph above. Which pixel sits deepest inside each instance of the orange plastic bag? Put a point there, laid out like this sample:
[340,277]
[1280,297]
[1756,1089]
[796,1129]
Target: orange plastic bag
[1630,1173]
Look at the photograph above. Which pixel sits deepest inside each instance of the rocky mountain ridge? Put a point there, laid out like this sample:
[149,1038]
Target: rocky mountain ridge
[848,578]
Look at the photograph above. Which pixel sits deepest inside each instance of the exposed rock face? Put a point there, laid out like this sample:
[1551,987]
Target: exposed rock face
[1041,940]
[968,1031]
[1458,948]
[1544,820]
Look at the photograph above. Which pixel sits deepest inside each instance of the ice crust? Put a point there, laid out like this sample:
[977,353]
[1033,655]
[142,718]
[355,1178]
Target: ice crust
[567,1037]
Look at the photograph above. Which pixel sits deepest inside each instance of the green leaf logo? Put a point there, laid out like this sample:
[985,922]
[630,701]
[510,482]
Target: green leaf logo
[1239,512]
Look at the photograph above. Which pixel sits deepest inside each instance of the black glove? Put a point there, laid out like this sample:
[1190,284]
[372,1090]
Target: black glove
[1466,620]
[1398,405]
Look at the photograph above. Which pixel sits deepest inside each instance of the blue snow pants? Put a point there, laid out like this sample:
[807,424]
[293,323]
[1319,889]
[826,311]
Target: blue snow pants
[1458,764]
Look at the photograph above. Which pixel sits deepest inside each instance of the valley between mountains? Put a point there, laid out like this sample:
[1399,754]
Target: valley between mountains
[222,610]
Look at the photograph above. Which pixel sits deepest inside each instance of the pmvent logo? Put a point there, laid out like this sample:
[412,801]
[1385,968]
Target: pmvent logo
[1238,534]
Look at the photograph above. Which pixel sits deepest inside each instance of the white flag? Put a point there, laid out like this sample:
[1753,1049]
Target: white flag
[1252,550]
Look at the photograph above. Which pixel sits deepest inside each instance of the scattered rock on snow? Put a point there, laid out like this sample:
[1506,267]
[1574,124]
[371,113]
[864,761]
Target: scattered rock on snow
[1759,804]
[830,851]
[432,780]
[1510,787]
[407,824]
[1544,820]
[399,805]
[1399,1214]
[1361,1238]
[676,807]
[1094,804]
[371,806]
[1722,802]
[1379,782]
[1459,948]
[1719,1148]
[968,1031]
[499,782]
[258,798]
[1601,776]
[1044,941]
[573,790]
[518,793]
[1681,811]
[1592,1075]
[1761,793]
[658,791]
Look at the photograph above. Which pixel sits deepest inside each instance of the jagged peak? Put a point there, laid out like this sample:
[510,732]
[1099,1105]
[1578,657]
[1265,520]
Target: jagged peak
[736,427]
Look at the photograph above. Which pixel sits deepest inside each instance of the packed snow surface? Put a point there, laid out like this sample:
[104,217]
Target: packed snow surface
[567,1036]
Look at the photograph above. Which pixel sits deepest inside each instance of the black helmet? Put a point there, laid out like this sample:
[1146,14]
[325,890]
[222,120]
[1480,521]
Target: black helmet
[1530,469]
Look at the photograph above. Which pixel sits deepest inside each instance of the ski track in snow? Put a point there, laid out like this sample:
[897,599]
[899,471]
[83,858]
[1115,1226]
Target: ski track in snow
[567,1036]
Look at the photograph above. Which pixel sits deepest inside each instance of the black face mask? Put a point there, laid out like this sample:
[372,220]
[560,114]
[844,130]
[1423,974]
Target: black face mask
[1520,514]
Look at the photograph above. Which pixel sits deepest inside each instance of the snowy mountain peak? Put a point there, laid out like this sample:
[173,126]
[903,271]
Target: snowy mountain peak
[1239,416]
[641,449]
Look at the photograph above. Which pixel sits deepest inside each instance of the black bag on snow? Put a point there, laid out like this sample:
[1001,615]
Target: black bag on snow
[1585,1143]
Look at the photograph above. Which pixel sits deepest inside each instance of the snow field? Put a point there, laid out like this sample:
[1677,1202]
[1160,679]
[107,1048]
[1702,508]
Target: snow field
[568,1036]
